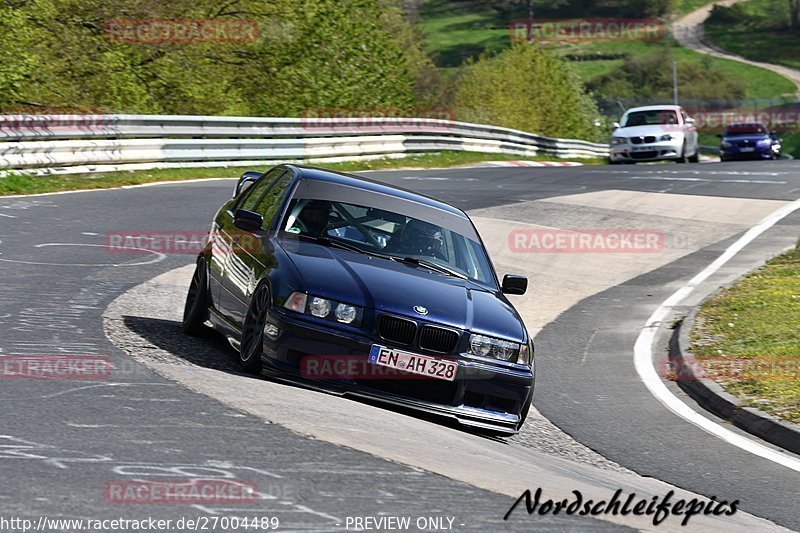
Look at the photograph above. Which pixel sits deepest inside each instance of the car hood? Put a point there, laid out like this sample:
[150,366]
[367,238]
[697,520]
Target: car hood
[656,129]
[393,287]
[754,137]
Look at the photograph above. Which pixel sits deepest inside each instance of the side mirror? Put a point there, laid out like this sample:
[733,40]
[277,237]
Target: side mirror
[247,220]
[246,181]
[615,125]
[690,121]
[513,284]
[719,135]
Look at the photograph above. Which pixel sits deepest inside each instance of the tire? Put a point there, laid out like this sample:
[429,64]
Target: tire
[695,158]
[682,158]
[195,312]
[251,347]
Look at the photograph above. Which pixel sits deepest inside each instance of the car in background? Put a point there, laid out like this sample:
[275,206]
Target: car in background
[748,140]
[654,133]
[365,290]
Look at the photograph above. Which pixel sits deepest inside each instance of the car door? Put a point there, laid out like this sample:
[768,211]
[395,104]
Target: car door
[252,250]
[233,271]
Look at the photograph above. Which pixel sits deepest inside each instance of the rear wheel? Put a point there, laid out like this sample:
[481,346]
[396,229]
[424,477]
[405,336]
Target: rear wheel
[253,332]
[195,312]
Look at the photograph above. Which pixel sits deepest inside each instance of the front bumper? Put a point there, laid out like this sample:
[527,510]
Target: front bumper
[658,151]
[483,395]
[737,153]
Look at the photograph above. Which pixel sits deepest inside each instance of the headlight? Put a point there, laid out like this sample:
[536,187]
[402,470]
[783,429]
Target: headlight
[764,142]
[725,144]
[324,308]
[618,140]
[345,313]
[320,307]
[491,347]
[666,137]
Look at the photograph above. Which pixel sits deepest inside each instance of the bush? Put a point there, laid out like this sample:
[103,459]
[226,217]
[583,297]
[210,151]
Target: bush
[529,89]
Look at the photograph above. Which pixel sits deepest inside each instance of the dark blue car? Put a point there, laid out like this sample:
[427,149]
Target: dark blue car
[749,141]
[365,290]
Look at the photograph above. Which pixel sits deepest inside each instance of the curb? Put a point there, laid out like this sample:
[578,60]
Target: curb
[712,397]
[534,164]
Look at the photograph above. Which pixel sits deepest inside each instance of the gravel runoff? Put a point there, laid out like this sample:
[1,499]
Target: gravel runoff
[145,323]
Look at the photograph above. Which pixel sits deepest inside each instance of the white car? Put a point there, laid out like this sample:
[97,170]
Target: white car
[654,133]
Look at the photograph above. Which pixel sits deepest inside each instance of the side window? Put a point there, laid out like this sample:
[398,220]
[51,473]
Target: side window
[271,201]
[252,196]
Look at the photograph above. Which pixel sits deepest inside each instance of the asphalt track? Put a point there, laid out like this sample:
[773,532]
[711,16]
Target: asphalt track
[63,441]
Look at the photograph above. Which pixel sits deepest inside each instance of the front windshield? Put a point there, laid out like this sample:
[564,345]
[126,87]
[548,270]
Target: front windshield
[745,129]
[376,230]
[649,118]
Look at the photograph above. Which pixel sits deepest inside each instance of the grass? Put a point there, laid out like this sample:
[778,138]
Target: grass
[684,7]
[757,30]
[456,31]
[24,184]
[759,82]
[747,337]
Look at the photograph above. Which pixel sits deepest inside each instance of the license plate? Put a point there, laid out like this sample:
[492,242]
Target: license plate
[748,149]
[641,149]
[422,365]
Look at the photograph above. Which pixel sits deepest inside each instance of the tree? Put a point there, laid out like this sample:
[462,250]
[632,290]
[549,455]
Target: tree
[308,53]
[529,89]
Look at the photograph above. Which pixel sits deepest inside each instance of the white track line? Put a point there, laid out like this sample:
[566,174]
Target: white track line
[643,355]
[138,186]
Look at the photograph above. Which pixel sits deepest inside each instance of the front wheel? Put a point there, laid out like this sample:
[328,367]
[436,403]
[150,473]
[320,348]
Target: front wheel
[253,332]
[695,158]
[195,312]
[682,158]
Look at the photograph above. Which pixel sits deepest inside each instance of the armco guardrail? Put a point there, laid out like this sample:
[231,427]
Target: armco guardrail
[83,143]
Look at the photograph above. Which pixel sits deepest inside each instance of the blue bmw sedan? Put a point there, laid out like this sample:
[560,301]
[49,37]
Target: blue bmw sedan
[747,140]
[360,289]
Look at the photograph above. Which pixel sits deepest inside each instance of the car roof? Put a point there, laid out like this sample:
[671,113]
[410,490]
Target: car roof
[330,176]
[655,108]
[746,124]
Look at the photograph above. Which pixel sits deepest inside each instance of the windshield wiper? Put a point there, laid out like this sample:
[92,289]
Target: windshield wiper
[430,266]
[336,243]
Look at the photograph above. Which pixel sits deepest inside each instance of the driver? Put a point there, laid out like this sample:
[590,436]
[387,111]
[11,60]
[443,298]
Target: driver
[315,216]
[418,238]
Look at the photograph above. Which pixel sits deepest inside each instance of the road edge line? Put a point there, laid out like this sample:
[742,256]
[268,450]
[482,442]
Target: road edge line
[643,348]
